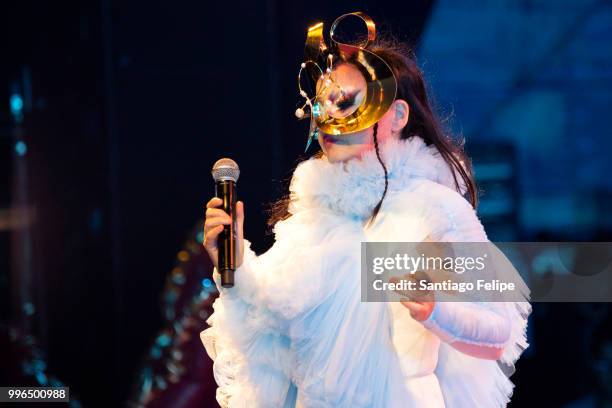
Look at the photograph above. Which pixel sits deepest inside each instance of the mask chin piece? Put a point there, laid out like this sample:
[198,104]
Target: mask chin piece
[312,135]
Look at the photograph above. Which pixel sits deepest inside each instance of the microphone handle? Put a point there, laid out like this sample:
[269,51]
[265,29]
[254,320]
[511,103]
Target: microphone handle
[226,242]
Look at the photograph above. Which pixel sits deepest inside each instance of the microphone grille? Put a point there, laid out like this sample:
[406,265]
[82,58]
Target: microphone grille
[225,169]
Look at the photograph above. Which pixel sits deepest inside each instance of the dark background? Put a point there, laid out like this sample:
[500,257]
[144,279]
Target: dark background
[126,105]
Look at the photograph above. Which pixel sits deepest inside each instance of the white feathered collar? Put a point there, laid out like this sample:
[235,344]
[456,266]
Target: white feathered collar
[355,187]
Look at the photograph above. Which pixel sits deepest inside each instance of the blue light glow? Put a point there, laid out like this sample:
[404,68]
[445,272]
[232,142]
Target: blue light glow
[16,104]
[41,378]
[163,340]
[200,237]
[21,148]
[156,352]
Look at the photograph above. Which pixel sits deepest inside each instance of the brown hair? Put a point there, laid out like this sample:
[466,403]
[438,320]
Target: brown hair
[422,122]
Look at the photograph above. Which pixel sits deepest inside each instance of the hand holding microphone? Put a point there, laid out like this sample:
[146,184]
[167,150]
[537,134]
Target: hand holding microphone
[223,225]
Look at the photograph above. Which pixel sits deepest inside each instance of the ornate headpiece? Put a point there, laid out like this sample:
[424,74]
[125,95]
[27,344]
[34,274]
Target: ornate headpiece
[333,108]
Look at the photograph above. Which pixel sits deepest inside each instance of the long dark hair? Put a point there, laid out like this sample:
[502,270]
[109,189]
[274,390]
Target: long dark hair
[422,122]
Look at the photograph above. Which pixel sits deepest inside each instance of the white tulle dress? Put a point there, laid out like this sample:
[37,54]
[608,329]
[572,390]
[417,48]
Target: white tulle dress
[293,331]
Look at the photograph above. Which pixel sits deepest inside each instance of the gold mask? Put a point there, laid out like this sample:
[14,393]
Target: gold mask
[336,109]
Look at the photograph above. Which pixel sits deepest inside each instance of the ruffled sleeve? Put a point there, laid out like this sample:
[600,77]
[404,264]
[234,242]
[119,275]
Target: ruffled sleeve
[249,352]
[478,324]
[468,381]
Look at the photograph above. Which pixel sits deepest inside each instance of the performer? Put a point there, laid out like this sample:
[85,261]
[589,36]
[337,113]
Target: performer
[293,331]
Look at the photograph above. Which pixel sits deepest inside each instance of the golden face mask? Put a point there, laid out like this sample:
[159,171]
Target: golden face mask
[355,89]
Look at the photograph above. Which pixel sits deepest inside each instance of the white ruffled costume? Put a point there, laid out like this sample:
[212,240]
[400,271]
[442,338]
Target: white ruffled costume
[293,331]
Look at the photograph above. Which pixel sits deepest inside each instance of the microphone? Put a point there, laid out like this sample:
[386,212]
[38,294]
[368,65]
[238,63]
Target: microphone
[225,172]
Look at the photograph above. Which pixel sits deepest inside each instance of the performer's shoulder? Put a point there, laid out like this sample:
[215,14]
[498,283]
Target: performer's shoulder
[428,196]
[438,208]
